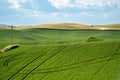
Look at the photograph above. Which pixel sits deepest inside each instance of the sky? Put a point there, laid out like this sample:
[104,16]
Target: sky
[36,12]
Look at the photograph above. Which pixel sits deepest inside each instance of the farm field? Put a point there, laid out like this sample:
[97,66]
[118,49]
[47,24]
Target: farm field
[60,54]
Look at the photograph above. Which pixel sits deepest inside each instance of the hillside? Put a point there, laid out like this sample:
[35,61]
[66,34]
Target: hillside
[3,26]
[40,35]
[73,26]
[108,27]
[83,61]
[60,54]
[57,26]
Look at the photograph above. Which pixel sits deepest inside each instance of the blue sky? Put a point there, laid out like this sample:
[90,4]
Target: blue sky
[35,12]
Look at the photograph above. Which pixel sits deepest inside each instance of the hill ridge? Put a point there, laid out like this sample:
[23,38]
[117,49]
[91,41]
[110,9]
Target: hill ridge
[72,26]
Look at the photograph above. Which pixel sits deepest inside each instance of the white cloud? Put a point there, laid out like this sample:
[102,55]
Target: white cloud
[16,4]
[83,3]
[67,15]
[105,15]
[23,1]
[59,3]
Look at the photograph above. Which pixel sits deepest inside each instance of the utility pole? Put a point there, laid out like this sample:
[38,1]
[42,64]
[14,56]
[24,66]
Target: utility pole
[12,33]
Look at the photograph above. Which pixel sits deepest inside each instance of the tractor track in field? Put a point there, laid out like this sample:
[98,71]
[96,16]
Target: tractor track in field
[6,62]
[59,61]
[15,54]
[69,50]
[43,62]
[59,70]
[26,65]
[79,62]
[67,67]
[105,63]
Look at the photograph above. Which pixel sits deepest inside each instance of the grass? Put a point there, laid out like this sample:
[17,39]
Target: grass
[53,54]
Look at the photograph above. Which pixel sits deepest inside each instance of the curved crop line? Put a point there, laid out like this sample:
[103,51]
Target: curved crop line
[4,64]
[42,63]
[25,66]
[105,63]
[11,58]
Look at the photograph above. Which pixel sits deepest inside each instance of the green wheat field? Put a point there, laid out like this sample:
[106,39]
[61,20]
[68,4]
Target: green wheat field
[60,54]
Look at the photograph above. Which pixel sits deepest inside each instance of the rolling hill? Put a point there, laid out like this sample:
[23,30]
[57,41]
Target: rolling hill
[2,26]
[61,52]
[74,26]
[75,61]
[57,26]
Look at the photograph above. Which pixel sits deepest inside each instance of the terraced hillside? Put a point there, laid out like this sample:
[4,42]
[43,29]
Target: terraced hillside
[54,54]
